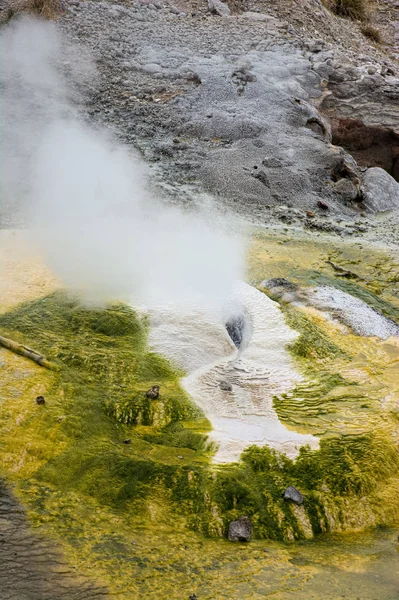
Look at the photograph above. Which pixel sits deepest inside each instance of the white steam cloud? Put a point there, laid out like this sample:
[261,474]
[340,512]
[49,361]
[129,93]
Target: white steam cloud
[84,197]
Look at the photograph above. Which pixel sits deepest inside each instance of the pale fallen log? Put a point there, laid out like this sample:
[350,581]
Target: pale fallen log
[27,353]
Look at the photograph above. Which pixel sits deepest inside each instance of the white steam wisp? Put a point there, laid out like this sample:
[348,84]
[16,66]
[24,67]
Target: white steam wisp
[85,197]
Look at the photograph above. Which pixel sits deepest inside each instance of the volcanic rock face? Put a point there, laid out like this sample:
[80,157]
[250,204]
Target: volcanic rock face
[354,93]
[240,107]
[227,105]
[361,101]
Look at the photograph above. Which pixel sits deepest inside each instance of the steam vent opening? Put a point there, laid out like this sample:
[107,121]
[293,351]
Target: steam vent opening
[235,328]
[370,146]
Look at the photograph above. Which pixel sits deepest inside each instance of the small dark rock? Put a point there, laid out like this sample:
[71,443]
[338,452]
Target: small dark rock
[226,386]
[153,393]
[40,400]
[261,175]
[193,597]
[279,282]
[240,530]
[322,205]
[291,494]
[127,441]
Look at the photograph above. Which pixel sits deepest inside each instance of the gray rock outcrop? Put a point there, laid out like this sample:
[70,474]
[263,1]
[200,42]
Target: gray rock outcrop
[235,106]
[240,530]
[225,106]
[218,7]
[380,190]
[291,494]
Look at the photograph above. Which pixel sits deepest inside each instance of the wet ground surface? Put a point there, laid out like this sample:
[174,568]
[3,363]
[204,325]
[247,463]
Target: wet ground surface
[155,561]
[31,569]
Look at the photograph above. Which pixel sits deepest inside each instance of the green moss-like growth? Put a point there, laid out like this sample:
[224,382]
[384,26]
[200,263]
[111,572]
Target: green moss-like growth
[99,395]
[312,342]
[344,467]
[349,465]
[98,399]
[178,436]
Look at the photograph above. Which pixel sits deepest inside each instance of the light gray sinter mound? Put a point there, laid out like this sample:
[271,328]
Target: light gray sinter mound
[353,312]
[339,305]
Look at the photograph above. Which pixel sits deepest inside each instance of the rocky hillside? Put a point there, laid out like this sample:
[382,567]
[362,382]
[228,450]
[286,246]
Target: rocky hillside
[277,110]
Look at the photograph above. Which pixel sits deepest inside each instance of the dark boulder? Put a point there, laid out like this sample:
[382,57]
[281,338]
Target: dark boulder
[240,530]
[153,393]
[322,205]
[291,494]
[40,400]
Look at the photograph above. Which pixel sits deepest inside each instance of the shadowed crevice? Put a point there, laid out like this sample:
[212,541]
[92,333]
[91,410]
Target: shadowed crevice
[370,146]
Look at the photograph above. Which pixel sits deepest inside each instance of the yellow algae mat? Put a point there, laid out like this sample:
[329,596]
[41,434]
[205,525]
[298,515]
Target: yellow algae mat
[126,486]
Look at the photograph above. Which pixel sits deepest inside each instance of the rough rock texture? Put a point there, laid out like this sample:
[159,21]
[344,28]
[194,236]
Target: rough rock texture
[30,568]
[356,92]
[291,494]
[240,530]
[380,190]
[237,106]
[225,106]
[218,7]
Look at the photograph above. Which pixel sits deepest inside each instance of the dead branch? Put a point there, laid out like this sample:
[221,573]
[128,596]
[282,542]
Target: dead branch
[27,353]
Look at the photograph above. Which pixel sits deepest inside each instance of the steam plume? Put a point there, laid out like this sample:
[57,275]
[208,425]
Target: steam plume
[84,197]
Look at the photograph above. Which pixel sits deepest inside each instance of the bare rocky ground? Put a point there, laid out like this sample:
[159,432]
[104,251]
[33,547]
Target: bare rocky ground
[261,109]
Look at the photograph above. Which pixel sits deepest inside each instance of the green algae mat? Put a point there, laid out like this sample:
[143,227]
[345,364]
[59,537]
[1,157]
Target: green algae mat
[126,485]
